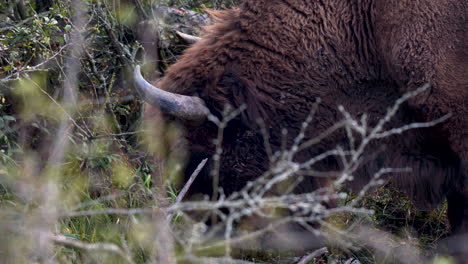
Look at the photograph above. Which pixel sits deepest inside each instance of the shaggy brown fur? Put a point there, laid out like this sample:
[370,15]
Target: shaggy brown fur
[277,56]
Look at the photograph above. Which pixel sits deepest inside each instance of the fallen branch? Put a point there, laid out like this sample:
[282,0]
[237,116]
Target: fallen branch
[74,243]
[317,253]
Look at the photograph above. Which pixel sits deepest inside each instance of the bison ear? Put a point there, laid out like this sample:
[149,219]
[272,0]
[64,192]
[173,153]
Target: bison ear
[240,93]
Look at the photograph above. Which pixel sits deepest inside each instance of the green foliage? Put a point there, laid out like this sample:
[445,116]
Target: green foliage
[33,40]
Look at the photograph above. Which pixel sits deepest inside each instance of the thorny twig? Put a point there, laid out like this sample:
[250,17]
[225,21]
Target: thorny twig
[228,115]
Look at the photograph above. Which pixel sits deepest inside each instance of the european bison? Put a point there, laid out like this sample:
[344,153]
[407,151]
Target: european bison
[278,56]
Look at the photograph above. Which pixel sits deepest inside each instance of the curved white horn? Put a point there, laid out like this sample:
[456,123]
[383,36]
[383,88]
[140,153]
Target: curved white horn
[190,108]
[188,38]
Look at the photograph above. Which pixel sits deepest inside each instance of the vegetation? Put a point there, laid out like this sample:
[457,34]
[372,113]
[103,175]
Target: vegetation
[83,180]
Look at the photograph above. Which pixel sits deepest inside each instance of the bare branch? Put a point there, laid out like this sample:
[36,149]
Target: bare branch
[73,243]
[317,253]
[187,185]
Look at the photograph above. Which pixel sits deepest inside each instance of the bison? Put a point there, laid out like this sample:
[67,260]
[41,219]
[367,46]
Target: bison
[277,56]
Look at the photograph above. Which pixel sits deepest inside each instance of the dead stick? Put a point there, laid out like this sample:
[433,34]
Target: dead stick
[311,256]
[187,186]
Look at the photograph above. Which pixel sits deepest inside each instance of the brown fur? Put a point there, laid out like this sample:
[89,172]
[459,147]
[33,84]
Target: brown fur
[277,56]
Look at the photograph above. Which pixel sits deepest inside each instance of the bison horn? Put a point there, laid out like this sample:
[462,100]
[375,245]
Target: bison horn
[189,108]
[188,38]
